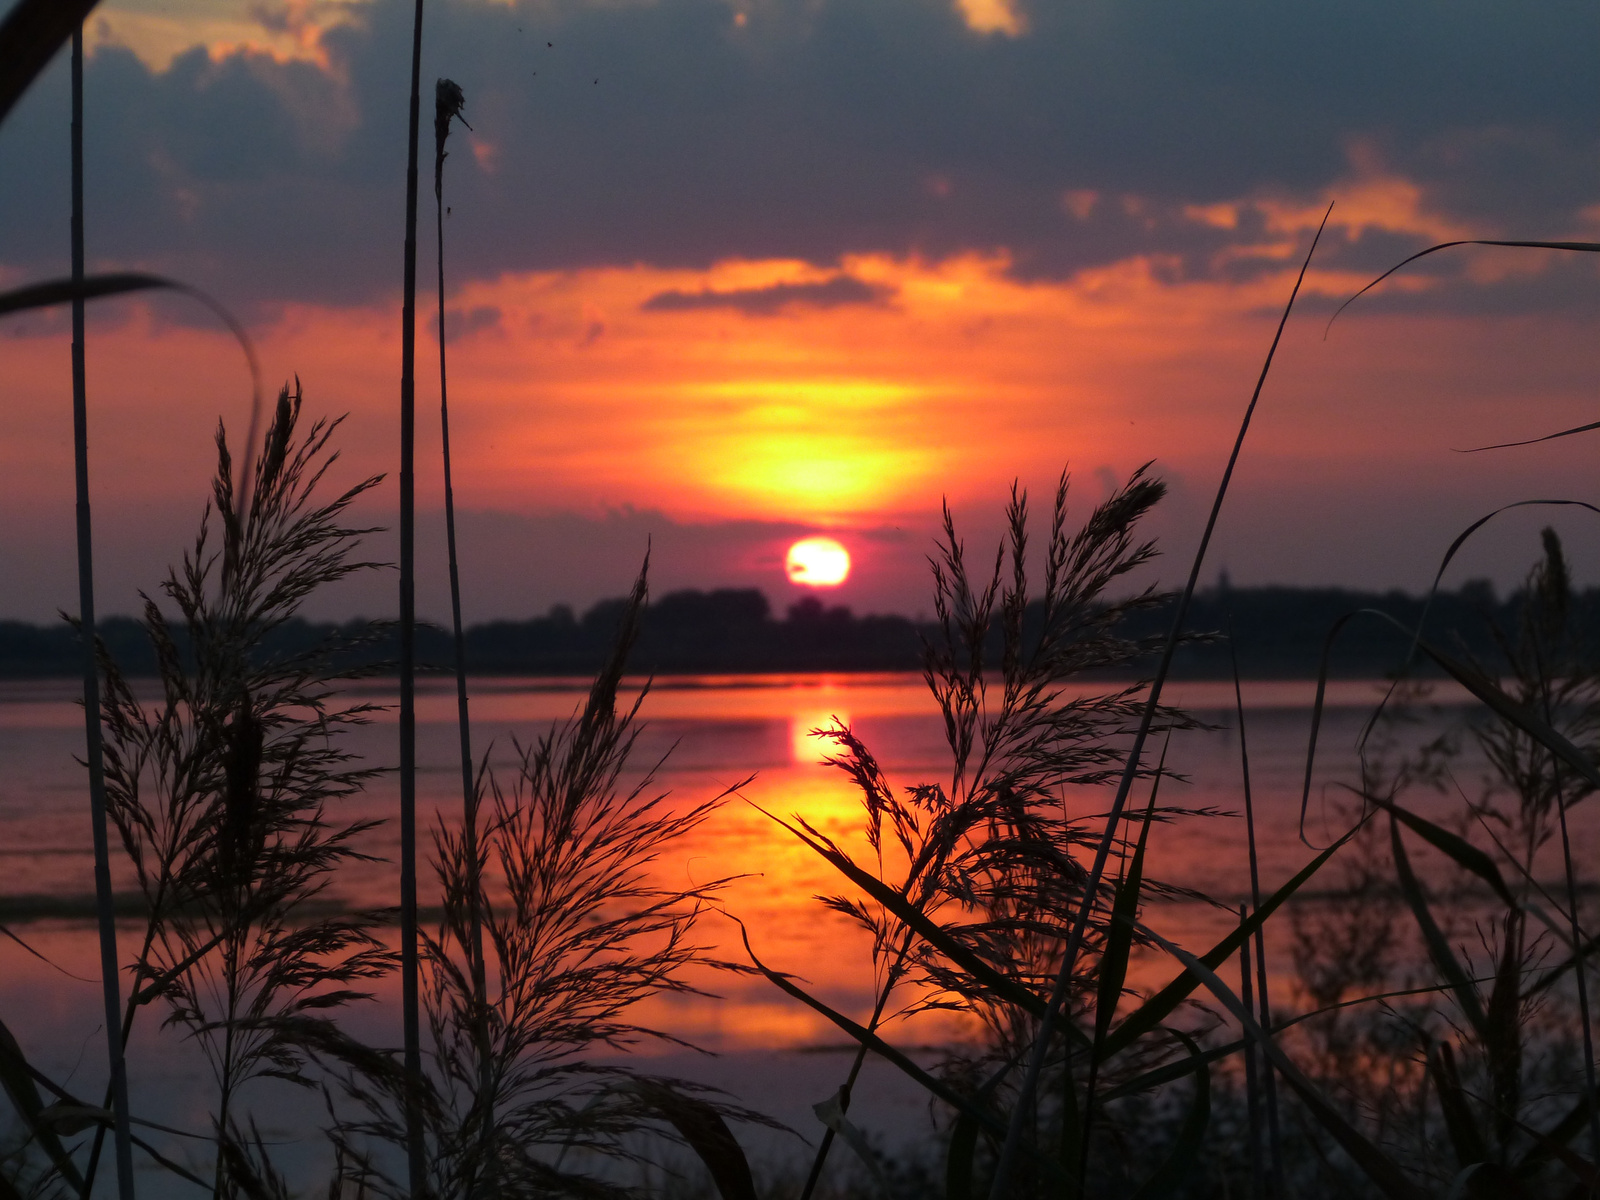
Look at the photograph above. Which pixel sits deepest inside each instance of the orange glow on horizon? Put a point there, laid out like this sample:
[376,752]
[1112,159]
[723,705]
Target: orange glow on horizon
[728,393]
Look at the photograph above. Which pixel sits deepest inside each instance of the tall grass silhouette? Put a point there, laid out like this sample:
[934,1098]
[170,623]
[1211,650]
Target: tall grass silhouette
[110,985]
[221,790]
[448,104]
[409,977]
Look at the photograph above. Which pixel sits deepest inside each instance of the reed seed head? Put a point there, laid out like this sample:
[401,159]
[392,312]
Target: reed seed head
[448,103]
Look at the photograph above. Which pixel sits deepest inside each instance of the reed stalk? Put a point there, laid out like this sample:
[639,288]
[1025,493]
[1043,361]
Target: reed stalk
[1252,1086]
[448,103]
[1001,1186]
[106,919]
[1264,1006]
[415,1161]
[819,1160]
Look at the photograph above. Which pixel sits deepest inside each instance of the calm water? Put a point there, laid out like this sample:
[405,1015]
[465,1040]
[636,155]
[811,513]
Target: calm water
[718,731]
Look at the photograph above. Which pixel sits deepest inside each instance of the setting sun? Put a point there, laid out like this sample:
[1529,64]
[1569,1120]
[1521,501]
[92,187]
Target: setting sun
[817,562]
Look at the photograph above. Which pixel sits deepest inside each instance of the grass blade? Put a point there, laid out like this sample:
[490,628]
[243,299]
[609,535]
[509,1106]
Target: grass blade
[1579,247]
[1113,967]
[1549,437]
[889,1054]
[707,1134]
[122,283]
[8,933]
[1149,1015]
[1263,1000]
[1444,958]
[1461,851]
[29,37]
[958,1162]
[1466,1139]
[1480,685]
[17,1080]
[1119,938]
[1252,1082]
[1559,1134]
[918,921]
[831,1113]
[1378,1167]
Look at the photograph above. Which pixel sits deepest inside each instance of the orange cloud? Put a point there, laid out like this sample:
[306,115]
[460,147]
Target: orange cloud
[159,32]
[788,396]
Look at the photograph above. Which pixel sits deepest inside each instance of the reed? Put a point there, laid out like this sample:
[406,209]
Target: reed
[984,863]
[117,1086]
[1271,1132]
[410,1000]
[1500,1143]
[30,35]
[578,935]
[221,790]
[448,103]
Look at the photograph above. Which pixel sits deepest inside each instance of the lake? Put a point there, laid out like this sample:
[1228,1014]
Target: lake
[713,732]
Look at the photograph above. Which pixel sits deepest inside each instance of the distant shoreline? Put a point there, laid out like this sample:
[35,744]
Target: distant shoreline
[1279,633]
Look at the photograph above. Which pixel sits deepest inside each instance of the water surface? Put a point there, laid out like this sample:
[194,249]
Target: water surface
[708,734]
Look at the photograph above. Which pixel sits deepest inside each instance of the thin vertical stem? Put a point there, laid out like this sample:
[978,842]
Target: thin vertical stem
[1252,1087]
[820,1159]
[1269,1076]
[110,988]
[415,1162]
[447,108]
[1131,876]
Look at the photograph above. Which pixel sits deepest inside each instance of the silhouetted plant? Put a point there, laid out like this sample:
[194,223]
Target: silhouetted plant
[225,788]
[1472,1078]
[577,934]
[985,864]
[448,103]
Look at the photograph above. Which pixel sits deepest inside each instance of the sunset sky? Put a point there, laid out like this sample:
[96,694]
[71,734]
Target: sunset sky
[728,273]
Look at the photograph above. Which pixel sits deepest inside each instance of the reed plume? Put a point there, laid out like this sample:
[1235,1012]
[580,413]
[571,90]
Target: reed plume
[578,935]
[224,790]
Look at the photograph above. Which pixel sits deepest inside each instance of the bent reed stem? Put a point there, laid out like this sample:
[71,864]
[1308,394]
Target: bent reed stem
[448,102]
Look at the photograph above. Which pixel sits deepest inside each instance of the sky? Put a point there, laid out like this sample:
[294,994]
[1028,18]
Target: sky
[723,274]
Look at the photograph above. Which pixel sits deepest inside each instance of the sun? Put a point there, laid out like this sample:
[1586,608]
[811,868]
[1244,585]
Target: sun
[817,562]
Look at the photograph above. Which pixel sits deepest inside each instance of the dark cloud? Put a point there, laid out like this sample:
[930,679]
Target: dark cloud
[815,129]
[836,292]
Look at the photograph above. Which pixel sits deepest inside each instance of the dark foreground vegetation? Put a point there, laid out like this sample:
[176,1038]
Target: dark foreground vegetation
[1277,633]
[1438,1041]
